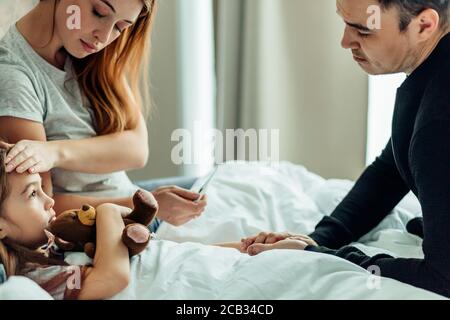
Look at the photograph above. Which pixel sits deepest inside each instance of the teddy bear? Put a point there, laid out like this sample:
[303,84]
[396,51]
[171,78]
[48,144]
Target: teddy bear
[74,230]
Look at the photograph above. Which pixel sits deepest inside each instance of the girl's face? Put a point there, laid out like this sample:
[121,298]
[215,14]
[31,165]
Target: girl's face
[27,211]
[101,22]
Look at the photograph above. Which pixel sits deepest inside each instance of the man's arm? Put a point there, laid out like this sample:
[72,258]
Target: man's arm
[430,153]
[375,194]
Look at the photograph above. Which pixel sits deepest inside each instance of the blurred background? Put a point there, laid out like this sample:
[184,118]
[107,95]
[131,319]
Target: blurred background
[259,64]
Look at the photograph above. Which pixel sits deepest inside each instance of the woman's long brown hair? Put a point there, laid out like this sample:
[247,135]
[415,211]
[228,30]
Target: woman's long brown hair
[106,77]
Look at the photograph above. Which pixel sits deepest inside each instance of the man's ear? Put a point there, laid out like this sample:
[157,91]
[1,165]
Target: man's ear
[426,24]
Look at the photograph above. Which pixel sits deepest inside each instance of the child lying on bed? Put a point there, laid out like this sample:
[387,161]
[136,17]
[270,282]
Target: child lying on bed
[25,212]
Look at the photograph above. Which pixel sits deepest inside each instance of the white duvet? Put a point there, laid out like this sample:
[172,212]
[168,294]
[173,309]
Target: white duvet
[246,198]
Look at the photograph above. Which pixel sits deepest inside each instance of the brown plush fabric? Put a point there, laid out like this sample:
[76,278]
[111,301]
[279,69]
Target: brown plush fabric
[72,235]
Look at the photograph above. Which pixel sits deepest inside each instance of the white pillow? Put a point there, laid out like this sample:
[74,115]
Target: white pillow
[22,288]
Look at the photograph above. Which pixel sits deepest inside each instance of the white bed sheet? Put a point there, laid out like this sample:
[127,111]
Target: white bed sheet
[245,198]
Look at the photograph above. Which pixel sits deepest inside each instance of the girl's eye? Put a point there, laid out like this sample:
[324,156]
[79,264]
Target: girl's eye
[33,194]
[363,35]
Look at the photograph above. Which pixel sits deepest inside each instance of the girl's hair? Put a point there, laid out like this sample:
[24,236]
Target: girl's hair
[9,259]
[106,77]
[15,257]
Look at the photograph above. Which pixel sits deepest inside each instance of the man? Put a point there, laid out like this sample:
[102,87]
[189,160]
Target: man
[414,38]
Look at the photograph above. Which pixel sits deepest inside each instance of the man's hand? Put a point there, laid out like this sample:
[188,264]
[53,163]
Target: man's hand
[275,240]
[177,206]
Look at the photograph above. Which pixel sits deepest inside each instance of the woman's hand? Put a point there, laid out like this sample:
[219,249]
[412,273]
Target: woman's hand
[31,156]
[178,206]
[265,241]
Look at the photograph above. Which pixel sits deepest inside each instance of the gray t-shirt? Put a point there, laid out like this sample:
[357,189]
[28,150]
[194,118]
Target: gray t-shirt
[33,89]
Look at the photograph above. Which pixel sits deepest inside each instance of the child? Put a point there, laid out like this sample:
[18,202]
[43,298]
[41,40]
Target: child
[26,211]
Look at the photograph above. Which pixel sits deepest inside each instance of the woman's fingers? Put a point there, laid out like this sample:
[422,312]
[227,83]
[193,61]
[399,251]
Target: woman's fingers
[189,218]
[186,194]
[4,145]
[27,165]
[16,161]
[184,210]
[191,207]
[16,149]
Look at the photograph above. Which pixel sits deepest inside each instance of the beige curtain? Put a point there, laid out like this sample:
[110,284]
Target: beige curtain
[280,66]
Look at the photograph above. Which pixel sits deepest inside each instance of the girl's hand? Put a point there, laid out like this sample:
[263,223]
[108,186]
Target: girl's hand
[124,211]
[31,156]
[275,240]
[177,206]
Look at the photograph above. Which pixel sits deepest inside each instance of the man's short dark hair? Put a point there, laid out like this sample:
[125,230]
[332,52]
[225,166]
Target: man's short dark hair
[410,9]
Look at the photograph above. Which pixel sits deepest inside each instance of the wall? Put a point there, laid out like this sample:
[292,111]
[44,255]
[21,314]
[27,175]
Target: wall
[11,10]
[298,78]
[165,94]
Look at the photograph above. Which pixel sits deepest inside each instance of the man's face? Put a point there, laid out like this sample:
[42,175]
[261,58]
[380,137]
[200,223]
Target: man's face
[378,51]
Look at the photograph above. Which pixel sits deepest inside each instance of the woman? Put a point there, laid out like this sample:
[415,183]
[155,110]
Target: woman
[69,98]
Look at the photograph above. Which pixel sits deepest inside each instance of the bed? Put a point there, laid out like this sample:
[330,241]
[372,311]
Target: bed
[244,199]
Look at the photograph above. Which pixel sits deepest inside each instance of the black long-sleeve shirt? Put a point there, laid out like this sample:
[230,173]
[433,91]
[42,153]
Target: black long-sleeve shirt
[417,158]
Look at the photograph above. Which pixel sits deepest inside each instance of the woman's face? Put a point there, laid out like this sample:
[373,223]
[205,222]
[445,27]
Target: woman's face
[101,22]
[27,211]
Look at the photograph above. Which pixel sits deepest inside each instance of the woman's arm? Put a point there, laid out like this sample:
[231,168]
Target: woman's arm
[103,154]
[176,205]
[111,271]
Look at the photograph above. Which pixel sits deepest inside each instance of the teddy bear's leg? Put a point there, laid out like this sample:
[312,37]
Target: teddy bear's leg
[145,208]
[89,249]
[136,237]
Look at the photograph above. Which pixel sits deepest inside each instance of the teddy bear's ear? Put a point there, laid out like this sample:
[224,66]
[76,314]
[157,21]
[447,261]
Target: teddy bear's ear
[64,245]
